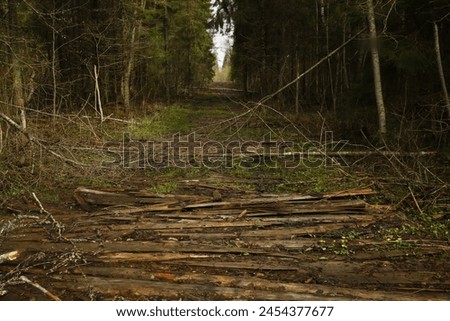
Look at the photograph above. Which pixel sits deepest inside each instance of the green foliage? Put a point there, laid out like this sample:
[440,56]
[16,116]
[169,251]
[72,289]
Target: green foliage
[190,55]
[409,57]
[339,247]
[60,42]
[425,227]
[274,41]
[275,177]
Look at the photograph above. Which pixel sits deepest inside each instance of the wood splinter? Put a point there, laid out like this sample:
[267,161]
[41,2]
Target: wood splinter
[11,256]
[242,215]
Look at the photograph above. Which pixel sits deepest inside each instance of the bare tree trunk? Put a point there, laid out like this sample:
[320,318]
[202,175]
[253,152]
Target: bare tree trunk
[437,48]
[127,72]
[344,56]
[19,100]
[376,68]
[18,92]
[166,52]
[54,62]
[297,85]
[317,49]
[130,55]
[98,98]
[324,11]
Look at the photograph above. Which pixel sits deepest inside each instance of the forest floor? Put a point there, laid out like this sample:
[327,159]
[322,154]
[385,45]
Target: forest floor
[221,219]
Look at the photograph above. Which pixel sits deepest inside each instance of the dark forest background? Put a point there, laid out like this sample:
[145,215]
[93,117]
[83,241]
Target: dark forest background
[63,56]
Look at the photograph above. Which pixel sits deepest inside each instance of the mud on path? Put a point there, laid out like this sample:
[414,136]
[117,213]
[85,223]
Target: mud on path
[215,238]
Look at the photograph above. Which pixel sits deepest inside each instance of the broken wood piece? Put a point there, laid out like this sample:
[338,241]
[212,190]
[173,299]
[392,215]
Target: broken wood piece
[11,256]
[38,142]
[242,215]
[40,288]
[87,198]
[296,198]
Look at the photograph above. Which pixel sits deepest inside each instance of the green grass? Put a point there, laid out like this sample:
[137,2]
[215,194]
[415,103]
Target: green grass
[164,188]
[223,75]
[172,119]
[175,119]
[303,179]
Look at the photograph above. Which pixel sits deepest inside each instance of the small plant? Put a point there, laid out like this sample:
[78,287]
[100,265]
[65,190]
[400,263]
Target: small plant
[342,247]
[164,188]
[337,247]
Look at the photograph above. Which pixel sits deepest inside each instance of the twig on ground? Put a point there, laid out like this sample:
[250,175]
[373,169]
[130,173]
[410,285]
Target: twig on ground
[36,141]
[60,227]
[40,288]
[415,200]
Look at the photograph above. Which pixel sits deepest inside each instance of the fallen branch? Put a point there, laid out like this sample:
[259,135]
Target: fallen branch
[40,288]
[60,227]
[36,141]
[312,68]
[284,199]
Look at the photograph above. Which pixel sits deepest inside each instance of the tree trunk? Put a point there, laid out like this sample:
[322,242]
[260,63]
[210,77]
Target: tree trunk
[54,57]
[324,12]
[166,52]
[297,85]
[127,72]
[440,66]
[376,67]
[129,56]
[18,92]
[98,97]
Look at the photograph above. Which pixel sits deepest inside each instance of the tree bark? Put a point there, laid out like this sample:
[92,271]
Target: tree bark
[166,52]
[98,97]
[127,72]
[54,58]
[376,68]
[297,85]
[129,56]
[17,89]
[437,48]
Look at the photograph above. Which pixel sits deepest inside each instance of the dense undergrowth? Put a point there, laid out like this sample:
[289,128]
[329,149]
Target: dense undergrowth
[417,186]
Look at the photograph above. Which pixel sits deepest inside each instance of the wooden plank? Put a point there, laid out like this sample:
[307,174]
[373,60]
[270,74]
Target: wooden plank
[257,283]
[328,291]
[123,223]
[110,288]
[337,207]
[279,199]
[86,197]
[153,257]
[243,265]
[160,247]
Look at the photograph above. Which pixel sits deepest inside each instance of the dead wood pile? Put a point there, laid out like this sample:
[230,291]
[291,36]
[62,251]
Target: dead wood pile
[137,245]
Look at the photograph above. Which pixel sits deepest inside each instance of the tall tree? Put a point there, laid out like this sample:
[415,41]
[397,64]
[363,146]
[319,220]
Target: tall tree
[376,67]
[131,29]
[440,67]
[15,52]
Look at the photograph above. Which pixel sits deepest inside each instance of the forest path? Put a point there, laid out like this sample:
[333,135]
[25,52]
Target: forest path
[237,233]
